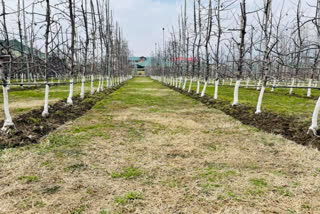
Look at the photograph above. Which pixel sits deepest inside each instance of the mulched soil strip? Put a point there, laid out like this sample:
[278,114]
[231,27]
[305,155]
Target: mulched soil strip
[31,127]
[270,122]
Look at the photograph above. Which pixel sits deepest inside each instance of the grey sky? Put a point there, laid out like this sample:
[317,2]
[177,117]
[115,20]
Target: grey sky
[142,20]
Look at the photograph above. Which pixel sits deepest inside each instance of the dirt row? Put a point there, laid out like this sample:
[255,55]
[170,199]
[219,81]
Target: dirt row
[31,127]
[289,127]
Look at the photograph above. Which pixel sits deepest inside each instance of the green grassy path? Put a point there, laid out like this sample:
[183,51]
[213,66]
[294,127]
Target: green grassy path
[148,149]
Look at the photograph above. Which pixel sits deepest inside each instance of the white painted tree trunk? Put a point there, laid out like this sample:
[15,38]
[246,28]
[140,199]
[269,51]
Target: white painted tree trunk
[107,82]
[198,86]
[82,87]
[259,83]
[216,87]
[21,81]
[273,85]
[247,83]
[9,82]
[99,85]
[92,88]
[258,110]
[292,84]
[204,89]
[8,120]
[45,112]
[314,125]
[176,83]
[236,93]
[69,100]
[190,85]
[102,83]
[309,89]
[223,82]
[231,81]
[184,83]
[180,82]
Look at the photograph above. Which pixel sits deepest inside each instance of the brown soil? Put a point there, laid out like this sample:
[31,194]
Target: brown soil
[31,127]
[289,127]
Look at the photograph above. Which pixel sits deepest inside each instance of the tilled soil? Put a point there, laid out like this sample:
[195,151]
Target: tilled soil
[31,127]
[289,127]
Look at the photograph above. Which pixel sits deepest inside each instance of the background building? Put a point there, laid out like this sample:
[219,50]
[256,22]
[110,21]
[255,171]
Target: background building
[140,64]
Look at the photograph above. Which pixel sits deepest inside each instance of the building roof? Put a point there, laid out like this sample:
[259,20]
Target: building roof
[145,63]
[16,46]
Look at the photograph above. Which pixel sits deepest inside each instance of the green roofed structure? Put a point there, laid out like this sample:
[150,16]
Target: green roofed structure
[17,48]
[140,64]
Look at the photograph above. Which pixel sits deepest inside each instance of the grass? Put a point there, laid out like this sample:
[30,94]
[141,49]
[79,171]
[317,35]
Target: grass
[29,178]
[51,190]
[128,197]
[259,182]
[280,102]
[148,149]
[128,173]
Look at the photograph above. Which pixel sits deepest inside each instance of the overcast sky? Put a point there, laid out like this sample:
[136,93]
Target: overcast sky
[142,20]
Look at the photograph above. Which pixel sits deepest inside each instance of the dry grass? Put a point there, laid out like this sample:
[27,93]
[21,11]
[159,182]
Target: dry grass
[174,157]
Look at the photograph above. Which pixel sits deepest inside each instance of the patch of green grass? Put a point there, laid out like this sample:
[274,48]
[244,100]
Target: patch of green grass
[62,145]
[258,182]
[51,190]
[129,197]
[79,209]
[59,113]
[59,140]
[128,173]
[33,120]
[134,133]
[279,173]
[284,192]
[89,191]
[21,109]
[75,167]
[207,187]
[306,206]
[213,174]
[173,183]
[256,192]
[252,166]
[291,210]
[29,178]
[221,197]
[233,195]
[104,211]
[39,204]
[211,146]
[47,165]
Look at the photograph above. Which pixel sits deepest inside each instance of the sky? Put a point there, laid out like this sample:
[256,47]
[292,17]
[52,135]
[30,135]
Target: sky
[142,20]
